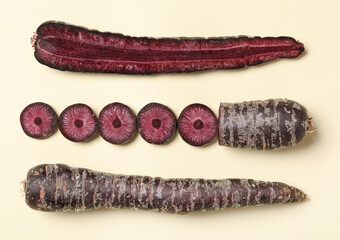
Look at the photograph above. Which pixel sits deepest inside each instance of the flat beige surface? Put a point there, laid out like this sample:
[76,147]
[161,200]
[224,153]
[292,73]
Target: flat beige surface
[312,80]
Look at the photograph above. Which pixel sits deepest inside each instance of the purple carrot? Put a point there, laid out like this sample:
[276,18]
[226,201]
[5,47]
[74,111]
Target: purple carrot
[58,187]
[67,47]
[265,125]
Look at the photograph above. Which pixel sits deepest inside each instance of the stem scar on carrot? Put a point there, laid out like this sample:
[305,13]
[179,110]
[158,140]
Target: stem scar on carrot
[310,126]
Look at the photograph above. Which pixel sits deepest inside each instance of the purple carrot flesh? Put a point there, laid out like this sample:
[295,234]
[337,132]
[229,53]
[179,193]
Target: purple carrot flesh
[58,187]
[265,125]
[67,47]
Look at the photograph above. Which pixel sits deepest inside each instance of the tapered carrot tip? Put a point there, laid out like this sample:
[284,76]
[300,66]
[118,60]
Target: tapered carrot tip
[305,197]
[300,196]
[300,46]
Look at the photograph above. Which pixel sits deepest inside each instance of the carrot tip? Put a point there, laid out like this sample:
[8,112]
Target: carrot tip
[306,197]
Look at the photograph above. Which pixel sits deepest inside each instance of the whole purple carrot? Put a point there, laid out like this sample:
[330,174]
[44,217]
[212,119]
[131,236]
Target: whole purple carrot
[58,187]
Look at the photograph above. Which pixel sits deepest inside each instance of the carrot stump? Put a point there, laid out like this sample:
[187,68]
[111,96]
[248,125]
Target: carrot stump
[264,125]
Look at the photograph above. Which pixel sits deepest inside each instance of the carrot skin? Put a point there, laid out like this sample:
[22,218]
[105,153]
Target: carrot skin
[58,187]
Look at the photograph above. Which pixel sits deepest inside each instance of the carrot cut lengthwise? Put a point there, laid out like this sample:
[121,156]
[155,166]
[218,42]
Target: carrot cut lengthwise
[67,47]
[57,187]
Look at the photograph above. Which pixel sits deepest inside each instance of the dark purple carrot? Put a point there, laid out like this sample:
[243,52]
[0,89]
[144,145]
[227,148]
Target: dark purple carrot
[197,124]
[58,187]
[156,123]
[67,47]
[78,122]
[117,123]
[269,124]
[38,120]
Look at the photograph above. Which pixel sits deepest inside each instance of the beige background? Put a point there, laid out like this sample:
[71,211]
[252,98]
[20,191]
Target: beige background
[312,80]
